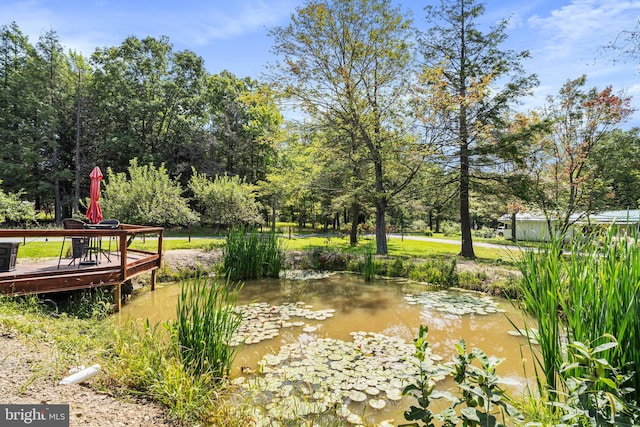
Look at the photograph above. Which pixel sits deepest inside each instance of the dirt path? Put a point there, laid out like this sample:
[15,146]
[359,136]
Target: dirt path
[25,378]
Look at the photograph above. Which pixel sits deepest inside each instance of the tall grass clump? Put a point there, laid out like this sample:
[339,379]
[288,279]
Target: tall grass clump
[249,254]
[543,281]
[438,272]
[204,325]
[582,294]
[369,266]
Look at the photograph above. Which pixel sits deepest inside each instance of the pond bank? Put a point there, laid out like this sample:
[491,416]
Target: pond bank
[32,363]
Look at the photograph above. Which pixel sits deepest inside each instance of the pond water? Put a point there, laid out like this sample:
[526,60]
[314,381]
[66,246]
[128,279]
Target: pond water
[332,310]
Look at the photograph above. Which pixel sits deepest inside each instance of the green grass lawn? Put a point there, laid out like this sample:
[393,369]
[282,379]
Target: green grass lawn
[397,247]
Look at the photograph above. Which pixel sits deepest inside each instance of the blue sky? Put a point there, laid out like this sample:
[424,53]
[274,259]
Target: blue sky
[565,37]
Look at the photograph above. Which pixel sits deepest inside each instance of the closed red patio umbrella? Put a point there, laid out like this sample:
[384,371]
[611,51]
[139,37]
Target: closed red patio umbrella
[94,213]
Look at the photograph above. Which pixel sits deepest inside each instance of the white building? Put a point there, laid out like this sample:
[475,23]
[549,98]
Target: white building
[535,228]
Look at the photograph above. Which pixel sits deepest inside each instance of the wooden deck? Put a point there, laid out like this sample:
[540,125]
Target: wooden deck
[115,267]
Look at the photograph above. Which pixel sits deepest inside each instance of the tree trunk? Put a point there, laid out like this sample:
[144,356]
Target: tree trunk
[513,228]
[273,214]
[381,227]
[465,218]
[355,213]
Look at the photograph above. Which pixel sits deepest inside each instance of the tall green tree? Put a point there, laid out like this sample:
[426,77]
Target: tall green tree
[17,103]
[148,103]
[617,162]
[55,145]
[244,124]
[469,83]
[345,63]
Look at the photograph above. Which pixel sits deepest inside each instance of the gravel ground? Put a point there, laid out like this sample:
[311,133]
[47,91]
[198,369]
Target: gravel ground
[26,379]
[26,375]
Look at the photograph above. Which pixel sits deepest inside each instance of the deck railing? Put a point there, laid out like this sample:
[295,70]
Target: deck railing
[132,262]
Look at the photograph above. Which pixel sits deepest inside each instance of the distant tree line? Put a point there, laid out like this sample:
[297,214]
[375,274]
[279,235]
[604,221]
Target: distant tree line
[399,128]
[62,114]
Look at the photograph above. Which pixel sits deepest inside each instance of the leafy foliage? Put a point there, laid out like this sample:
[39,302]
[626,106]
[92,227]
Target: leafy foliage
[483,400]
[224,201]
[596,392]
[581,298]
[13,209]
[147,196]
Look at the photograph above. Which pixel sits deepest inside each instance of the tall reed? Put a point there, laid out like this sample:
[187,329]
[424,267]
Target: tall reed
[544,277]
[583,294]
[369,265]
[252,255]
[602,298]
[205,323]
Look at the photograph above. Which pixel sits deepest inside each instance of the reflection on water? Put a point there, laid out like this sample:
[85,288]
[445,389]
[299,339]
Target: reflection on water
[377,306]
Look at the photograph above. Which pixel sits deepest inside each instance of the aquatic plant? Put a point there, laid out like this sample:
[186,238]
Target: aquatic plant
[483,400]
[205,324]
[369,267]
[582,295]
[262,321]
[334,378]
[437,272]
[459,303]
[596,391]
[249,254]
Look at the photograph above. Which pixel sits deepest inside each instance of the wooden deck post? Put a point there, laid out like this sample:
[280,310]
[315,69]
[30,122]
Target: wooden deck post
[117,296]
[153,279]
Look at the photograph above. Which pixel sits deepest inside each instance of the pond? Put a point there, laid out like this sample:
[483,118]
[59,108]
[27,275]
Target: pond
[354,336]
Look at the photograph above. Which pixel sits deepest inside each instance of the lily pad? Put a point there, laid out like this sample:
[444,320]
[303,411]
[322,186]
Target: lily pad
[377,403]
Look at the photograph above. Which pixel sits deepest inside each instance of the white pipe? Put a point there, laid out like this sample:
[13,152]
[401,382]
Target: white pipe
[82,375]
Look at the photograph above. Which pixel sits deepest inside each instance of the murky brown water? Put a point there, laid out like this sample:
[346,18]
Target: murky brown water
[377,306]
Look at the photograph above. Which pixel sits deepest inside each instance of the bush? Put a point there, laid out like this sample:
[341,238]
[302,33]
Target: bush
[149,196]
[13,209]
[450,228]
[436,272]
[225,200]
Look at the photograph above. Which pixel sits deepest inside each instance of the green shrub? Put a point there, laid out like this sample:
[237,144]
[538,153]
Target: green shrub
[148,196]
[321,259]
[436,272]
[481,401]
[224,200]
[450,228]
[472,279]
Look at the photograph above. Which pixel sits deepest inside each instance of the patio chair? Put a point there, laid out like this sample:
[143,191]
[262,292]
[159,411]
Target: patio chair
[79,244]
[113,223]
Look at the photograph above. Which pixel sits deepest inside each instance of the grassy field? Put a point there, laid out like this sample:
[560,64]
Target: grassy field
[404,248]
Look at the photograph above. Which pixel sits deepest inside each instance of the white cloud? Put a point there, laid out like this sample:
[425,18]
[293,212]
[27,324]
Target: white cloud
[584,25]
